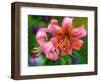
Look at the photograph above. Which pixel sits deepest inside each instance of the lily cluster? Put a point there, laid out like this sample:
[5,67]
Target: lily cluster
[65,38]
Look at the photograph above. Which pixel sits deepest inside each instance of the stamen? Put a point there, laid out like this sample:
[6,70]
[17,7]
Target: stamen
[38,53]
[36,50]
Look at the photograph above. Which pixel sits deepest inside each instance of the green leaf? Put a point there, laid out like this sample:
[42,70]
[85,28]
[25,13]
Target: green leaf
[84,52]
[62,60]
[76,56]
[81,55]
[65,60]
[50,62]
[68,59]
[32,41]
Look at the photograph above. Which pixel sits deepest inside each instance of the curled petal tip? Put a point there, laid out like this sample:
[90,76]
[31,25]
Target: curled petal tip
[54,21]
[67,22]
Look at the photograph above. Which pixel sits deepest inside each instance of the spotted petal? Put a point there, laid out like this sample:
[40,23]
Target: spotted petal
[67,24]
[79,32]
[54,28]
[78,44]
[41,35]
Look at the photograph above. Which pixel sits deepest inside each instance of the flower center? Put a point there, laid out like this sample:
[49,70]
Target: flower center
[65,41]
[67,37]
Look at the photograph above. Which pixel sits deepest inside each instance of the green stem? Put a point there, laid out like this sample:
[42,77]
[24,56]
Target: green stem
[73,56]
[62,61]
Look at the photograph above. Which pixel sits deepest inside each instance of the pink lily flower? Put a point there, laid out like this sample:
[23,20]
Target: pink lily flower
[50,51]
[65,37]
[46,47]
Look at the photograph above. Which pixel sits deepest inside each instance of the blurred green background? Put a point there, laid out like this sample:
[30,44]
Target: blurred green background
[36,22]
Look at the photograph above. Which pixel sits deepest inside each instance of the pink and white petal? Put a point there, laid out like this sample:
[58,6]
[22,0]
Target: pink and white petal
[41,35]
[51,28]
[54,21]
[50,51]
[77,45]
[54,29]
[45,47]
[55,50]
[52,56]
[67,22]
[79,32]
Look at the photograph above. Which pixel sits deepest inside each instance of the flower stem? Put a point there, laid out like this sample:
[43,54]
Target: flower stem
[62,61]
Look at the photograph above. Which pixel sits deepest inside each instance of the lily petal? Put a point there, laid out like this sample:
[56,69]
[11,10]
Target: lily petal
[68,51]
[55,42]
[50,51]
[41,35]
[79,32]
[77,45]
[67,22]
[52,56]
[54,28]
[54,21]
